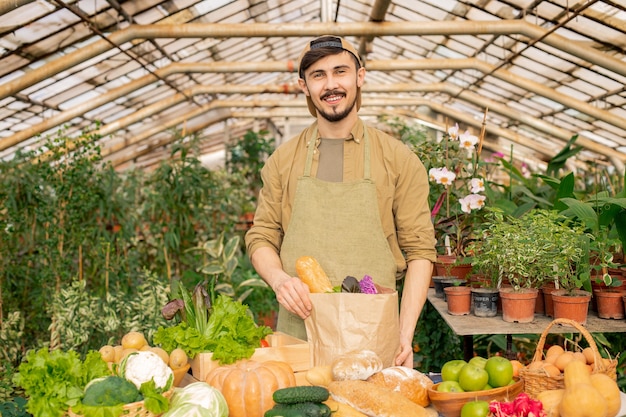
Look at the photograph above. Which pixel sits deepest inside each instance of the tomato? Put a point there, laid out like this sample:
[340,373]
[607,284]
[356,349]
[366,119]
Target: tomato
[473,378]
[450,370]
[477,408]
[264,343]
[500,371]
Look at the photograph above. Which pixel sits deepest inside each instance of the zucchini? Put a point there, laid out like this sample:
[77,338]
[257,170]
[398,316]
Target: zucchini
[301,394]
[306,409]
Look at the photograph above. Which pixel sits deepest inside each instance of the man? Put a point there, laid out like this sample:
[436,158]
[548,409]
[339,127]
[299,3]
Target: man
[348,195]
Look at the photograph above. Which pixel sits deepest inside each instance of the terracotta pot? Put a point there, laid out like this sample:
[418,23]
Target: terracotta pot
[518,306]
[574,306]
[485,302]
[597,284]
[540,305]
[445,265]
[459,300]
[610,303]
[451,282]
[547,291]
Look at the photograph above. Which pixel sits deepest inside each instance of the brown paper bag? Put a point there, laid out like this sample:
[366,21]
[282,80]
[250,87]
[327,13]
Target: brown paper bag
[344,322]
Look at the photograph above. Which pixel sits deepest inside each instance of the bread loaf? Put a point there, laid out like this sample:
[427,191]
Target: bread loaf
[356,365]
[342,410]
[407,381]
[313,275]
[319,375]
[374,400]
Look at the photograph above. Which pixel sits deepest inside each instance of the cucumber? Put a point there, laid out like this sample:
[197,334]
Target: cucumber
[301,394]
[306,409]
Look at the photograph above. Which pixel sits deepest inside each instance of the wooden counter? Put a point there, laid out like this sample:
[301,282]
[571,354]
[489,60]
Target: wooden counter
[470,325]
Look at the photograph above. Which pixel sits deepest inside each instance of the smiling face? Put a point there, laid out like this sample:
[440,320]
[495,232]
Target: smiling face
[331,83]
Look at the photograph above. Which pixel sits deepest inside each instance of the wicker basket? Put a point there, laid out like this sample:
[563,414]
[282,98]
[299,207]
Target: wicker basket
[136,409]
[536,381]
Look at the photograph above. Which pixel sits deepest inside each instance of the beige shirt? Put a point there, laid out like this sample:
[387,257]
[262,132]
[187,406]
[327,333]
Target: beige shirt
[401,183]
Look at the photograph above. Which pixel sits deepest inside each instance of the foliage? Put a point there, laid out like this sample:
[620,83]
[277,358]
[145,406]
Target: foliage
[247,156]
[434,342]
[457,179]
[538,246]
[84,321]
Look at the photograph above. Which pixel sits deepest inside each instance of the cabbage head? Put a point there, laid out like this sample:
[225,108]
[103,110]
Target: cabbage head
[198,399]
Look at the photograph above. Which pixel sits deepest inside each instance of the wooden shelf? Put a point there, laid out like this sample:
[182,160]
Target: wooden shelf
[470,325]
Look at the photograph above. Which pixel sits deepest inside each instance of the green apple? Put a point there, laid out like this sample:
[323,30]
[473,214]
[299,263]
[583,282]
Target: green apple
[478,361]
[449,386]
[478,408]
[473,378]
[500,371]
[450,370]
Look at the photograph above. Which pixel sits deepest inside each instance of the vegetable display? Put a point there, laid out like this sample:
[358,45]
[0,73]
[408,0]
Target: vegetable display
[230,333]
[197,399]
[55,380]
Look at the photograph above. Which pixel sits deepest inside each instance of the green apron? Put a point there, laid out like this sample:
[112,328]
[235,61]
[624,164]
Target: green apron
[337,223]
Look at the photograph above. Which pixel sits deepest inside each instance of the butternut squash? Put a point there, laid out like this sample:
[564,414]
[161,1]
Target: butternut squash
[551,400]
[581,398]
[610,391]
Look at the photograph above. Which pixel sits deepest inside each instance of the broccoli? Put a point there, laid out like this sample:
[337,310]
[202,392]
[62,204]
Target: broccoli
[110,391]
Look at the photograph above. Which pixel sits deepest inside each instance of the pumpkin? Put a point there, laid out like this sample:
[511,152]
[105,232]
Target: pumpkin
[581,398]
[610,391]
[248,385]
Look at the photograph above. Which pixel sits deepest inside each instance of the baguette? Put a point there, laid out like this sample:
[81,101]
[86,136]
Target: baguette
[313,275]
[374,400]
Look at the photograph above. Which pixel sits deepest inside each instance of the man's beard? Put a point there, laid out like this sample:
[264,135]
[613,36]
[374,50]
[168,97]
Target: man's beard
[335,117]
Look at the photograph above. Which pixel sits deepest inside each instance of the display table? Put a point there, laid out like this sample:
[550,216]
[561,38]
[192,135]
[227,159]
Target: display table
[470,325]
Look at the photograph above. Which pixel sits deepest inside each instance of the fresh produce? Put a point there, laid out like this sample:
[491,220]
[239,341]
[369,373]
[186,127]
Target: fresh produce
[197,399]
[110,391]
[500,371]
[581,398]
[307,409]
[521,406]
[248,385]
[476,408]
[352,285]
[450,386]
[54,380]
[230,333]
[473,378]
[477,374]
[610,391]
[551,400]
[451,369]
[144,366]
[313,275]
[300,394]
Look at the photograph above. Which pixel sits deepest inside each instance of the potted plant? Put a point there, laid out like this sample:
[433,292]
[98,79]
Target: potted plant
[520,254]
[456,195]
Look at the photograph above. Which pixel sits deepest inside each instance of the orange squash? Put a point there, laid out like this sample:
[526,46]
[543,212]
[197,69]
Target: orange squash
[581,398]
[551,400]
[610,391]
[248,385]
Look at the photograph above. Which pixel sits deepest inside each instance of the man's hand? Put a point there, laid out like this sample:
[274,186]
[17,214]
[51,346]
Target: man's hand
[405,354]
[293,294]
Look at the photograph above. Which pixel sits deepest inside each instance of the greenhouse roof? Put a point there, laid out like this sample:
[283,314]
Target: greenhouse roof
[532,73]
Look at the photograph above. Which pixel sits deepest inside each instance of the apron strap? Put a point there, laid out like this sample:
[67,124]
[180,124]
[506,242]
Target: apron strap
[311,151]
